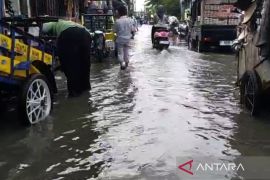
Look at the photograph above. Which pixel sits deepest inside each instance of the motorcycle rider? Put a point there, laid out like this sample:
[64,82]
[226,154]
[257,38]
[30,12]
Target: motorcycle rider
[159,18]
[174,23]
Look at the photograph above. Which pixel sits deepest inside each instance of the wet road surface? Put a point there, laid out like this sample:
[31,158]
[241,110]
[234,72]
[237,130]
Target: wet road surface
[136,123]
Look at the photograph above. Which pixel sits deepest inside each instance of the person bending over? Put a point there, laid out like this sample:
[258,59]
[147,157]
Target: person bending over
[73,47]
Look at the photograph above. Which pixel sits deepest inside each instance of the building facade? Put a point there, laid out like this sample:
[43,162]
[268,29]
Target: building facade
[32,8]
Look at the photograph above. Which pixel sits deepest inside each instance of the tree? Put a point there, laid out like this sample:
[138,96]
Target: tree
[172,6]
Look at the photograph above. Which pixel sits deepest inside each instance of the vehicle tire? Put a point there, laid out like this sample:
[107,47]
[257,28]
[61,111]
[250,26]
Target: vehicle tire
[107,54]
[200,46]
[116,53]
[160,47]
[99,55]
[155,44]
[190,44]
[250,92]
[116,50]
[35,100]
[2,106]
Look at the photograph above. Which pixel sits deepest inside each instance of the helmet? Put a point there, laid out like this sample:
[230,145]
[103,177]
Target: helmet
[160,11]
[173,20]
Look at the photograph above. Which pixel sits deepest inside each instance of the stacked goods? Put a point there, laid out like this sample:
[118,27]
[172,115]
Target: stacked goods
[220,12]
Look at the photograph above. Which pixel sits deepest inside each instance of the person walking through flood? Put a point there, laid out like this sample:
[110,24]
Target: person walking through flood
[73,47]
[123,29]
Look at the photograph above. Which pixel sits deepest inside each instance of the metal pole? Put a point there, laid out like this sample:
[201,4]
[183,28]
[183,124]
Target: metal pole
[1,9]
[1,13]
[180,8]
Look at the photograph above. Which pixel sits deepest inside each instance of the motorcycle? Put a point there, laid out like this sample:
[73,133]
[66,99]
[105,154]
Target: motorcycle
[102,37]
[160,36]
[98,45]
[183,30]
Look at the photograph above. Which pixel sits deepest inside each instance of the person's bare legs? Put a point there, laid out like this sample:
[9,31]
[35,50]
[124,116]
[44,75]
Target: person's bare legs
[126,53]
[120,51]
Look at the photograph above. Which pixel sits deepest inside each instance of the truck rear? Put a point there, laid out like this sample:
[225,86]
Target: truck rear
[214,24]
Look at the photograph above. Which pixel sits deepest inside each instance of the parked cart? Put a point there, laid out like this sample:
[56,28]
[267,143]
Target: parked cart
[253,55]
[100,23]
[26,67]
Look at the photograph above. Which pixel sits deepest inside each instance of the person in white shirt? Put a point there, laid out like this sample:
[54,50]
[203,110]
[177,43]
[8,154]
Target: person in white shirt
[123,29]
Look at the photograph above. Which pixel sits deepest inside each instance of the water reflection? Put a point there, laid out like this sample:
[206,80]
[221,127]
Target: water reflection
[251,135]
[22,149]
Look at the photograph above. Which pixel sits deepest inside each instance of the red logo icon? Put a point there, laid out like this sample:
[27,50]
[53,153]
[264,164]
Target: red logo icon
[186,170]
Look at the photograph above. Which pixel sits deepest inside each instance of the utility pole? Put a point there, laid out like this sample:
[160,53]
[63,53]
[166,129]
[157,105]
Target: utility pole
[1,8]
[180,8]
[2,12]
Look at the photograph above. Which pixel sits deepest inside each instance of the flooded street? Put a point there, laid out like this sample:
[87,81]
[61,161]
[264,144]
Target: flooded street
[136,123]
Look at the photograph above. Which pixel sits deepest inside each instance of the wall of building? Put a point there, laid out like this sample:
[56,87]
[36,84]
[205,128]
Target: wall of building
[59,8]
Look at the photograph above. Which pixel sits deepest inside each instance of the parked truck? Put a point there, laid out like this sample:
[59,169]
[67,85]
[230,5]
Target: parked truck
[213,24]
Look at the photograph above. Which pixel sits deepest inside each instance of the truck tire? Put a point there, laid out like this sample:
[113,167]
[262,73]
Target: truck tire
[99,55]
[250,92]
[190,44]
[200,46]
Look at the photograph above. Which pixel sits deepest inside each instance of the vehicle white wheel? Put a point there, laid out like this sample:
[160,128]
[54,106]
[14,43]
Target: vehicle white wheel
[36,101]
